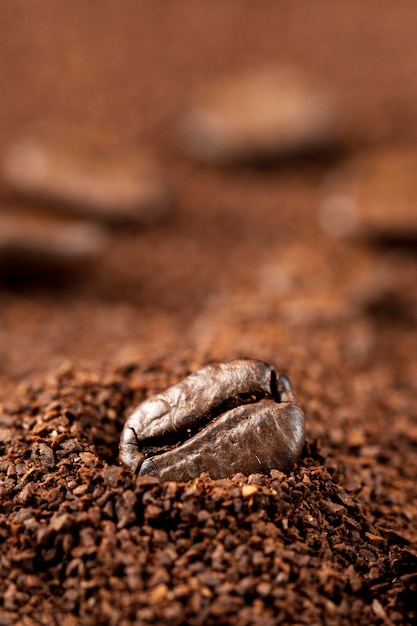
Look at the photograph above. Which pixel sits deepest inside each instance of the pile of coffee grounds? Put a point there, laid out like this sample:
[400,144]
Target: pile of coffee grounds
[87,542]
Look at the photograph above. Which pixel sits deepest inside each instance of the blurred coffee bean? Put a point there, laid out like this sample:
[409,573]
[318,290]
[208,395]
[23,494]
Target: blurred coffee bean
[90,181]
[33,246]
[375,197]
[259,117]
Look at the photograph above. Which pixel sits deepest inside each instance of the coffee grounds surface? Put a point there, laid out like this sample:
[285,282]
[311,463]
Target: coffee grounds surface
[240,268]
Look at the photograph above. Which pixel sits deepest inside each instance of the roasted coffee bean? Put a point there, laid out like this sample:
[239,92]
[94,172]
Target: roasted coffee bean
[258,117]
[375,197]
[90,181]
[31,244]
[226,418]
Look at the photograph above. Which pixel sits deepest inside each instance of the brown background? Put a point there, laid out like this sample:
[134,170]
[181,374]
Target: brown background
[124,73]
